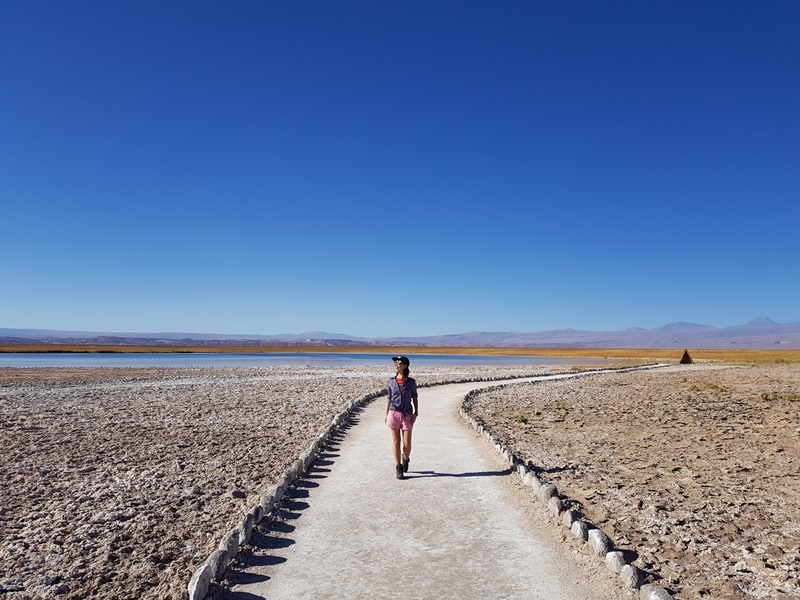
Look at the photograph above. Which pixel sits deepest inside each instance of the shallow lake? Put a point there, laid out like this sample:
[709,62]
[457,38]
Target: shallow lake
[316,359]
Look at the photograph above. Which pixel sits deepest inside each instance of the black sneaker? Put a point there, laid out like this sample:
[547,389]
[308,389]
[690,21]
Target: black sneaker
[399,469]
[405,465]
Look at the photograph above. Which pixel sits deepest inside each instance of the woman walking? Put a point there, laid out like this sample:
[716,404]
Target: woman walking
[402,409]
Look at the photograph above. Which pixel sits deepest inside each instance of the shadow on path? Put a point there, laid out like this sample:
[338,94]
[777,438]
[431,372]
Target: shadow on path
[424,474]
[274,533]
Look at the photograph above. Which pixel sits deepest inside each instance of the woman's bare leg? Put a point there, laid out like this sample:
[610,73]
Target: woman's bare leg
[396,446]
[407,445]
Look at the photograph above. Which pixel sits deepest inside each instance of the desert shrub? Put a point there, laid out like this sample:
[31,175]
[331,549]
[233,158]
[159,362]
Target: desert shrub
[788,396]
[708,387]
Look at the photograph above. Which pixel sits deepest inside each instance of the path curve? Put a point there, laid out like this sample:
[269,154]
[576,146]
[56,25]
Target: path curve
[451,529]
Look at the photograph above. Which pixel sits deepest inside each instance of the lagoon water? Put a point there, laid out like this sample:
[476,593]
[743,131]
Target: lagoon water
[314,359]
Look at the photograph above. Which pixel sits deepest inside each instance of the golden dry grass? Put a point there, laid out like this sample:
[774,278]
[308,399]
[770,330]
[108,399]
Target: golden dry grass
[643,354]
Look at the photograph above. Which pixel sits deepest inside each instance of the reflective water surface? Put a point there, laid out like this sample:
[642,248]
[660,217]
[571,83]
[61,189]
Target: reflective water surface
[315,359]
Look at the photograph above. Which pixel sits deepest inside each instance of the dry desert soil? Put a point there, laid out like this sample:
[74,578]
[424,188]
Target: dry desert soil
[695,470]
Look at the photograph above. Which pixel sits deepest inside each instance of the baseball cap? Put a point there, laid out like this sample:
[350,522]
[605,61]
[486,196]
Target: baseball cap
[402,359]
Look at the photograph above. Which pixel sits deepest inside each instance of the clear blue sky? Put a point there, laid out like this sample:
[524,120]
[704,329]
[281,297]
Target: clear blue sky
[398,168]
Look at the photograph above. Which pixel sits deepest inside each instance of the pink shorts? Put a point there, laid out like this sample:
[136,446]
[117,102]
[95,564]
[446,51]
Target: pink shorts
[397,420]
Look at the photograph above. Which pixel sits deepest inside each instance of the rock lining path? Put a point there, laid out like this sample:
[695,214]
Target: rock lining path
[458,526]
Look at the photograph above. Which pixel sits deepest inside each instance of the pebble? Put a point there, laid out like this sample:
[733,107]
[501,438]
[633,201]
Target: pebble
[555,505]
[218,560]
[547,491]
[230,543]
[615,560]
[599,542]
[269,499]
[307,458]
[533,481]
[631,576]
[200,582]
[245,528]
[258,514]
[653,592]
[569,517]
[580,529]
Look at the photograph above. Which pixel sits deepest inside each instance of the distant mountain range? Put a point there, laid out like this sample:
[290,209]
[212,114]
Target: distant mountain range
[759,333]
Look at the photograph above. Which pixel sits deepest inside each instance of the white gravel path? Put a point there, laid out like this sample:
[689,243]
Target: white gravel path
[455,527]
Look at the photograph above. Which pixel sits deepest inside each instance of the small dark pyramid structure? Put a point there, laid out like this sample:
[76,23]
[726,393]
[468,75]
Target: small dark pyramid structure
[686,360]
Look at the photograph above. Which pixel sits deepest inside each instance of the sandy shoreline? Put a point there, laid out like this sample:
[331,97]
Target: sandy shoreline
[118,483]
[697,471]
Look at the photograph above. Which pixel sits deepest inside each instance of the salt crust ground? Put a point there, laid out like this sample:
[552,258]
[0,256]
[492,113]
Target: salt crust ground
[118,483]
[692,469]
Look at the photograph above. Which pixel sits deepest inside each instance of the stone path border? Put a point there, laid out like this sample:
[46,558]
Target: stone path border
[213,569]
[558,504]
